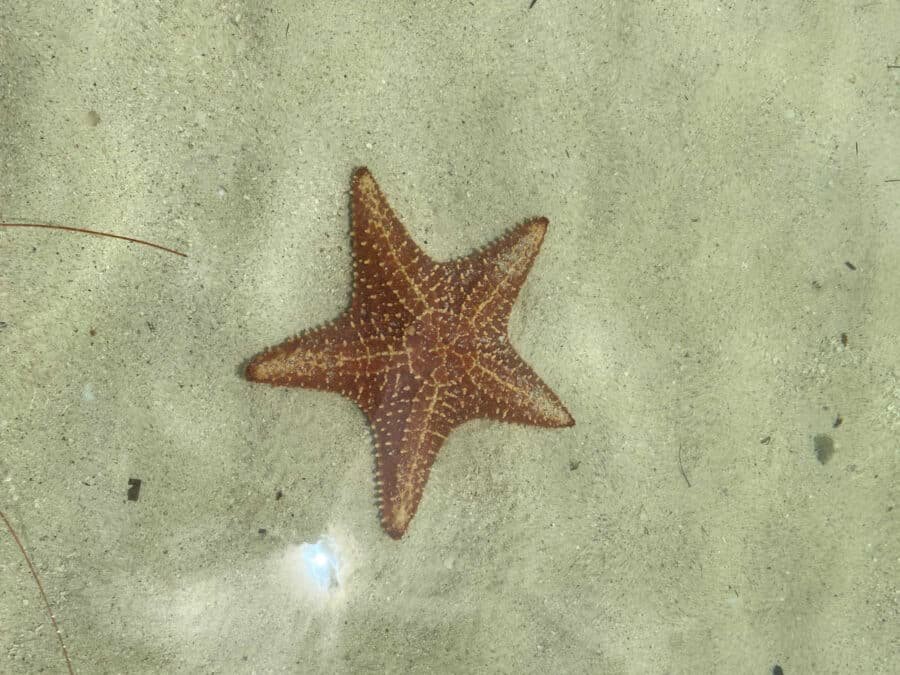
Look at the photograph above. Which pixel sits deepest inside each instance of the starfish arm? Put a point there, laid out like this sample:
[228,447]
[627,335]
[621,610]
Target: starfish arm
[345,356]
[390,270]
[488,281]
[410,425]
[510,391]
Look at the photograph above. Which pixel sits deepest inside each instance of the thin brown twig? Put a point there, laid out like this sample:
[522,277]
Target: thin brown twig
[681,467]
[40,586]
[98,233]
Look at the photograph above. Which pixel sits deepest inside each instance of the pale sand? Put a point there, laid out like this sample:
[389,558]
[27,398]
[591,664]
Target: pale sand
[707,171]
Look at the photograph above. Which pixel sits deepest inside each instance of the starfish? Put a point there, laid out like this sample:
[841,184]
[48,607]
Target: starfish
[422,348]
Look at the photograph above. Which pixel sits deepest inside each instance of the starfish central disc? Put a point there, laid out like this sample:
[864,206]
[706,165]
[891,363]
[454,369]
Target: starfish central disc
[440,347]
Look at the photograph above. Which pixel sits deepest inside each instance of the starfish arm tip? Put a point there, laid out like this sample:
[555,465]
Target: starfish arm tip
[394,533]
[562,419]
[251,371]
[392,525]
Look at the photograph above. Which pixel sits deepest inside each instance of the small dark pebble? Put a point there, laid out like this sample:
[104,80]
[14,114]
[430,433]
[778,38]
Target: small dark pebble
[278,494]
[262,531]
[777,670]
[134,489]
[574,464]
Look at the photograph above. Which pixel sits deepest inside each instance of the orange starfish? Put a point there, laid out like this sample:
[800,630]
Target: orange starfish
[422,348]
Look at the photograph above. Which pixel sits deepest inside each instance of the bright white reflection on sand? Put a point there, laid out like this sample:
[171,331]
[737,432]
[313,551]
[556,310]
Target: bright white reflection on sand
[321,564]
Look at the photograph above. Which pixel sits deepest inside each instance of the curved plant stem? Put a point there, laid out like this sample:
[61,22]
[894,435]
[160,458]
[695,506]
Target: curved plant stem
[98,233]
[40,586]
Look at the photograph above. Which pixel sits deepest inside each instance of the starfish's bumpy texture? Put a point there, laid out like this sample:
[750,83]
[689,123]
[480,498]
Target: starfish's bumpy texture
[422,348]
